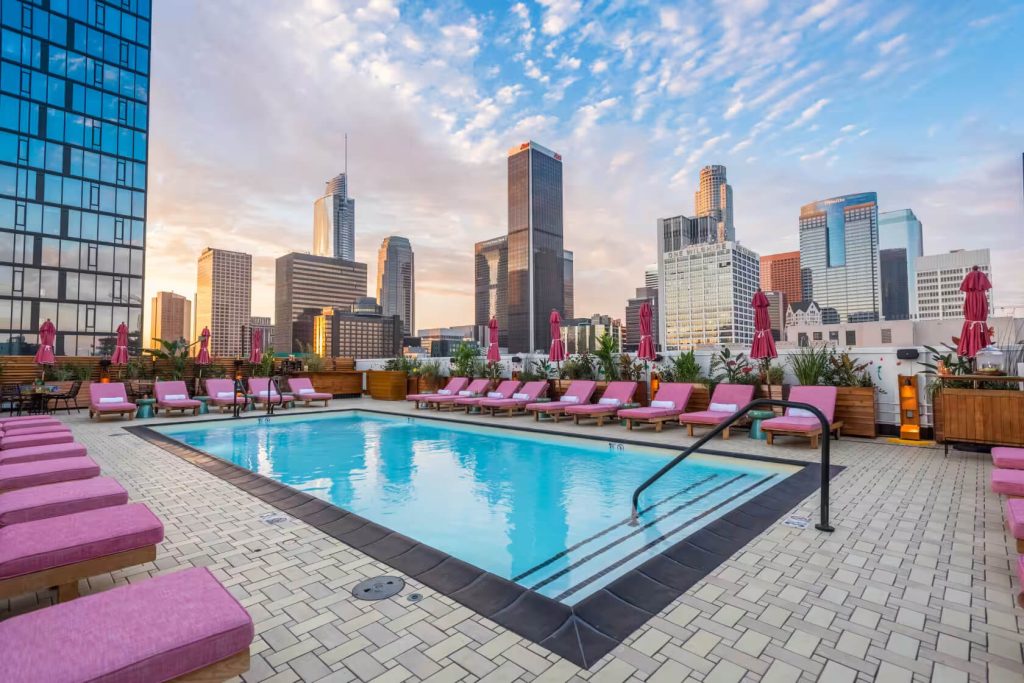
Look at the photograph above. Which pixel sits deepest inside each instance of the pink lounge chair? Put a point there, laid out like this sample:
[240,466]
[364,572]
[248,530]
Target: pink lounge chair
[517,402]
[454,386]
[726,400]
[180,626]
[263,391]
[222,394]
[109,399]
[19,440]
[15,419]
[37,453]
[504,390]
[801,422]
[24,474]
[302,389]
[1008,458]
[36,421]
[578,393]
[474,389]
[1015,520]
[173,395]
[1008,482]
[616,394]
[668,404]
[36,428]
[62,498]
[60,551]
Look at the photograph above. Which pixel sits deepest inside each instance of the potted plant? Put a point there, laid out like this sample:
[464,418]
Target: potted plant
[732,369]
[465,361]
[771,377]
[686,369]
[430,376]
[405,372]
[808,364]
[856,395]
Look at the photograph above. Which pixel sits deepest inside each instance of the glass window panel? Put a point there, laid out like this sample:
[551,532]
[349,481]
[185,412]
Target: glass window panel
[87,287]
[6,280]
[106,259]
[51,220]
[89,224]
[69,253]
[71,286]
[50,255]
[106,229]
[48,286]
[5,314]
[136,262]
[54,157]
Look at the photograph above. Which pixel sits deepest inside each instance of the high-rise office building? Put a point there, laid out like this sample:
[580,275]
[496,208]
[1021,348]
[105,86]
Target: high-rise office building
[839,257]
[714,200]
[781,273]
[901,230]
[396,281]
[778,305]
[536,262]
[339,333]
[892,269]
[171,318]
[490,268]
[569,307]
[306,284]
[631,337]
[263,324]
[651,276]
[581,335]
[679,232]
[224,299]
[938,278]
[334,221]
[74,118]
[706,294]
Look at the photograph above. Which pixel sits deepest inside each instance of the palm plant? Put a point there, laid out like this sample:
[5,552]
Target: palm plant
[175,353]
[809,364]
[607,347]
[683,368]
[464,360]
[731,369]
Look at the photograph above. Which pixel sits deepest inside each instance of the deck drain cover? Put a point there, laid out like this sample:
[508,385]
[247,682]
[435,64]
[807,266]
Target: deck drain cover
[378,588]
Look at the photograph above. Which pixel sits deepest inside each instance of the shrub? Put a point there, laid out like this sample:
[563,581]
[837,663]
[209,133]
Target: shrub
[732,369]
[809,364]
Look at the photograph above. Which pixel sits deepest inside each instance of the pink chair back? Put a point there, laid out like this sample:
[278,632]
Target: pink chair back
[677,392]
[740,394]
[219,386]
[507,388]
[297,384]
[582,389]
[477,386]
[257,385]
[534,389]
[623,391]
[457,384]
[98,390]
[822,398]
[173,388]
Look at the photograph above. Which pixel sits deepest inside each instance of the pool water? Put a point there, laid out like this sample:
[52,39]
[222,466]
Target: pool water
[549,512]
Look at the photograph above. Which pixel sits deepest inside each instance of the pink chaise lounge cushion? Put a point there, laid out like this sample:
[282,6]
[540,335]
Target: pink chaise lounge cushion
[677,392]
[63,498]
[35,421]
[26,440]
[794,424]
[37,429]
[455,385]
[99,390]
[59,541]
[477,386]
[1008,482]
[1015,516]
[299,384]
[623,391]
[582,389]
[13,419]
[45,452]
[1007,457]
[24,474]
[153,630]
[173,388]
[532,390]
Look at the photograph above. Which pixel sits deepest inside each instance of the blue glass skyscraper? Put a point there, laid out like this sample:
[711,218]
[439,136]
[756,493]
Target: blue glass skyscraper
[839,267]
[74,115]
[901,231]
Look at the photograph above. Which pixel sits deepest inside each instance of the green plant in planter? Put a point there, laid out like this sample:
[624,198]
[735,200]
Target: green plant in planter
[842,371]
[137,369]
[683,368]
[579,367]
[630,369]
[408,366]
[725,367]
[313,361]
[493,370]
[466,360]
[266,365]
[809,364]
[431,373]
[175,353]
[607,348]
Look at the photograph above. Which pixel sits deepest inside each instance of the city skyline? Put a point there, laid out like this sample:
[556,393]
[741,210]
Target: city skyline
[433,171]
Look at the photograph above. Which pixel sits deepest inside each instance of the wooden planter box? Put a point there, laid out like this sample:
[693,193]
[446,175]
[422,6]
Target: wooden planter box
[386,385]
[336,382]
[412,385]
[774,391]
[983,416]
[855,406]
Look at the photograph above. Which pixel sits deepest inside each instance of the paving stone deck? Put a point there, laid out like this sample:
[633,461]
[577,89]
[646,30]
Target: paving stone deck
[916,583]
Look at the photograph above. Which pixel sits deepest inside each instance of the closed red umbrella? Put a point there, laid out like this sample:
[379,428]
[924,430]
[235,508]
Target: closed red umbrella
[493,353]
[47,338]
[646,350]
[203,357]
[764,343]
[557,352]
[256,346]
[120,356]
[974,336]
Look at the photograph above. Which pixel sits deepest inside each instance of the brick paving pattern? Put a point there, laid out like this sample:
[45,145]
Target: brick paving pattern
[916,583]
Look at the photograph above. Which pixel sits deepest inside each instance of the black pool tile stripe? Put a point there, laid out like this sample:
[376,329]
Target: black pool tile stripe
[583,633]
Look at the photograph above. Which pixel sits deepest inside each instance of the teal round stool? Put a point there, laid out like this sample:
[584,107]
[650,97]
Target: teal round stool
[145,407]
[203,408]
[756,418]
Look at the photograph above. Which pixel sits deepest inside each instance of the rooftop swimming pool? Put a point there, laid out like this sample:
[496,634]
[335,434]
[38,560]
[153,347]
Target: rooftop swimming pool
[548,512]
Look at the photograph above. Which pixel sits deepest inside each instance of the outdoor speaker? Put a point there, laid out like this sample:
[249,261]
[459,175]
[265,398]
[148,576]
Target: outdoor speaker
[907,354]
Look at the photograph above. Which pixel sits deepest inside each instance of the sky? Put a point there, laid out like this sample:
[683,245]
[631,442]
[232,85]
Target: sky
[251,99]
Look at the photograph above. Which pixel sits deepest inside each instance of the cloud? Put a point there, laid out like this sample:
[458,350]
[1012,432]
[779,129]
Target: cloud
[893,44]
[559,15]
[588,115]
[599,66]
[810,112]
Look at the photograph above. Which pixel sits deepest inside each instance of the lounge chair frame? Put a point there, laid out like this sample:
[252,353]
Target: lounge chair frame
[66,577]
[814,435]
[235,665]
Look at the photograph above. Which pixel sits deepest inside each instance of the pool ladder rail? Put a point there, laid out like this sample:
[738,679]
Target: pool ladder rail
[822,524]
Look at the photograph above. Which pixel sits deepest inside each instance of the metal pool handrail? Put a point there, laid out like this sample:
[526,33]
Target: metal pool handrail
[823,524]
